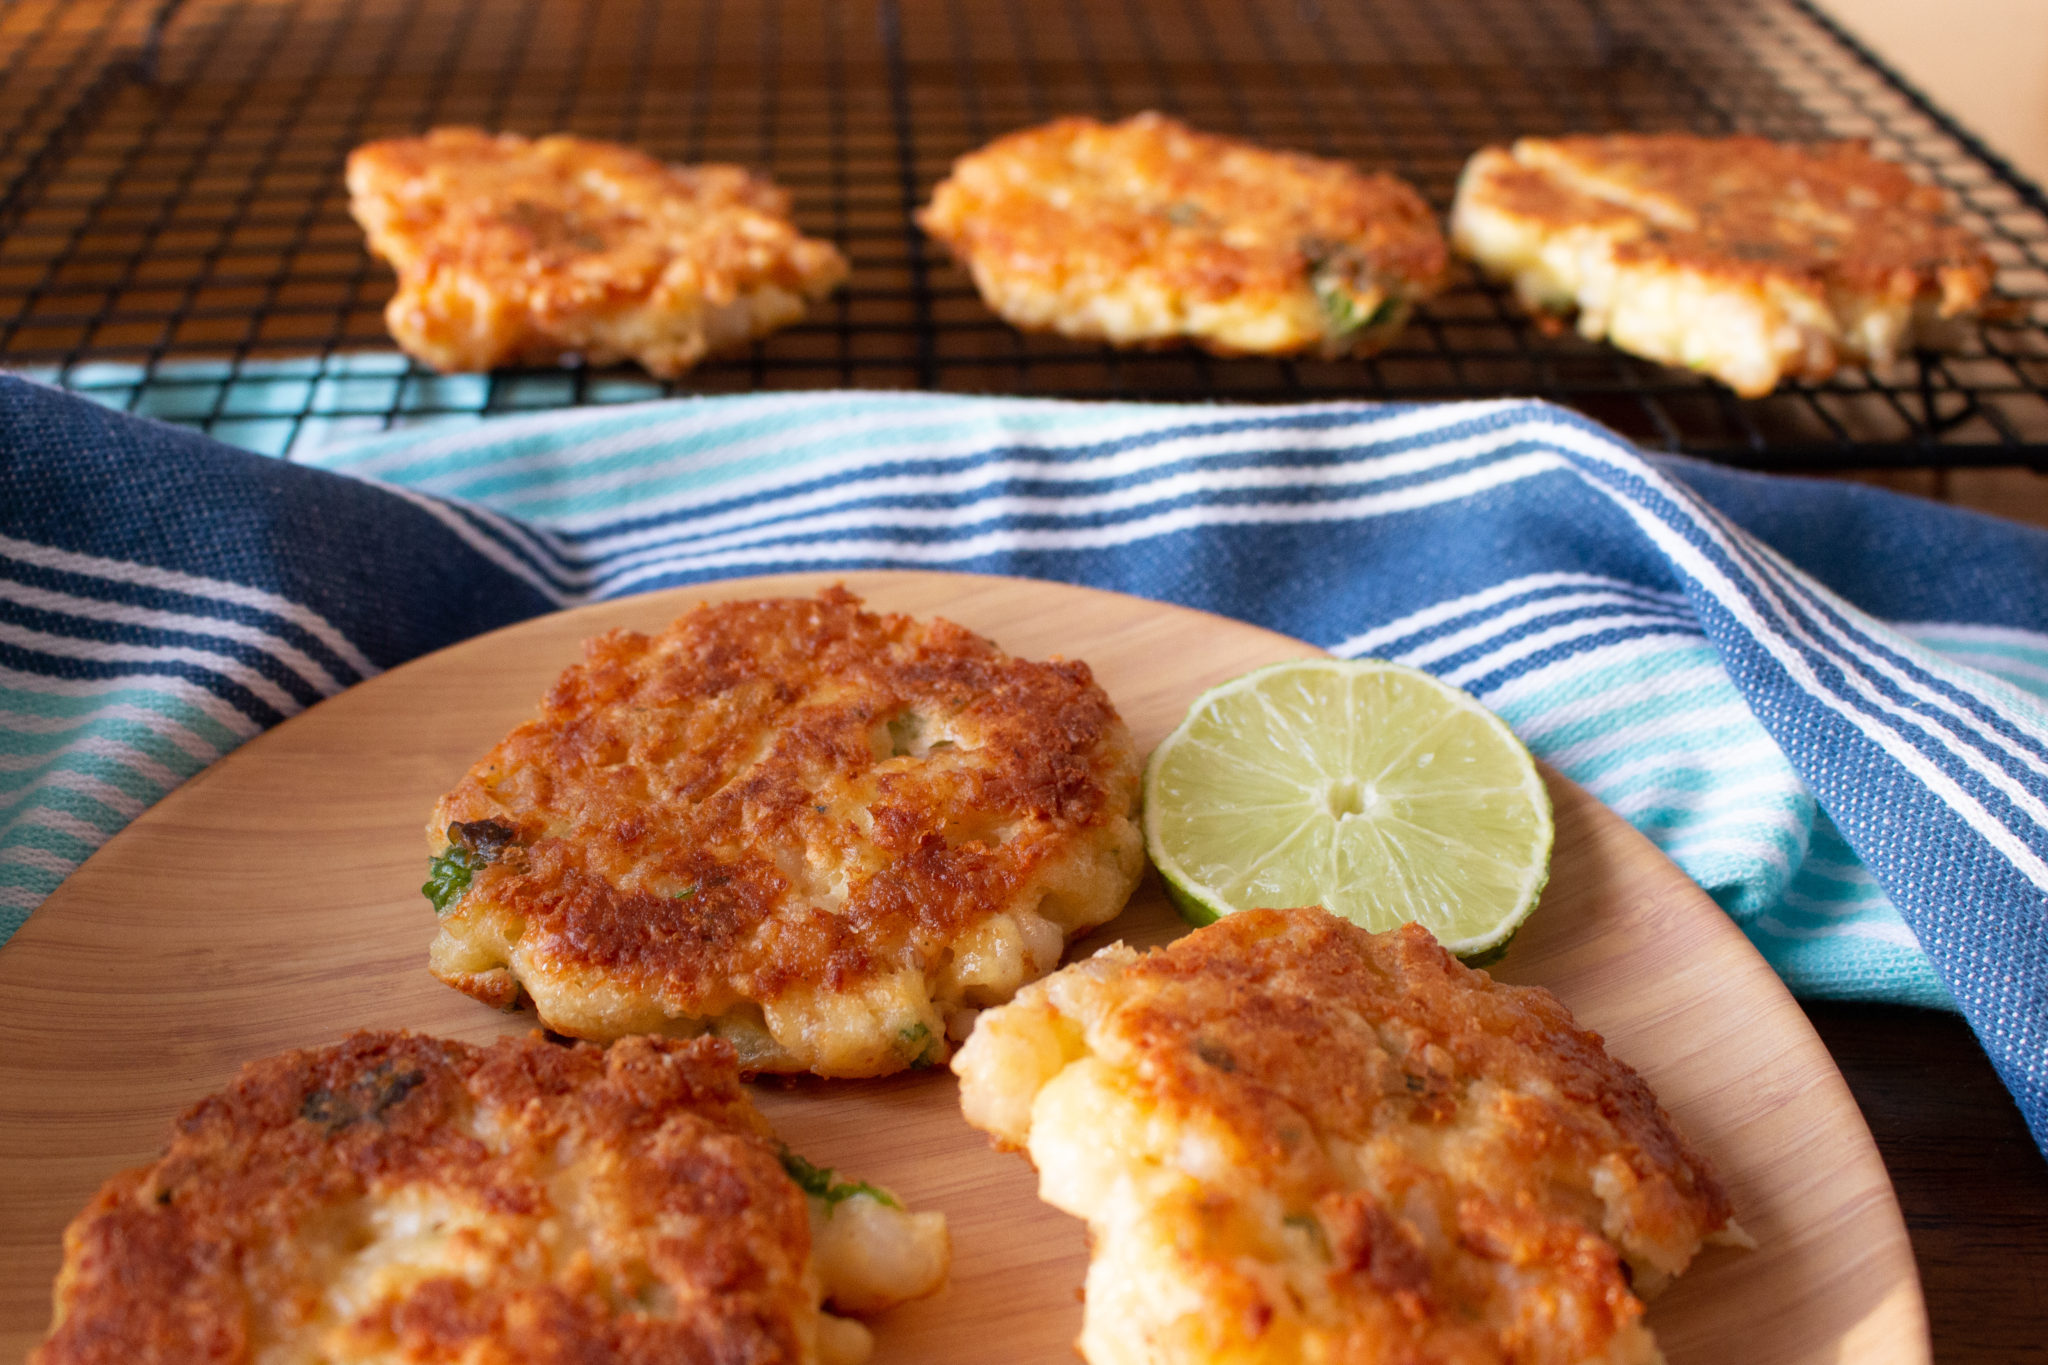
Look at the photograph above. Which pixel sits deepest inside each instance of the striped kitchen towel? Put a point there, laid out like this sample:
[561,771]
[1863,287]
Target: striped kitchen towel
[1823,701]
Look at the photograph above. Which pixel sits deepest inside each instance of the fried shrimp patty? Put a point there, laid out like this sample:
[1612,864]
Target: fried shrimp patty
[1294,1140]
[395,1198]
[1147,232]
[1749,260]
[512,251]
[823,834]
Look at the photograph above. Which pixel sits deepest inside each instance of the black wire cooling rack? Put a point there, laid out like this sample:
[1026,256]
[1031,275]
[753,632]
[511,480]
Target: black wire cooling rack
[174,234]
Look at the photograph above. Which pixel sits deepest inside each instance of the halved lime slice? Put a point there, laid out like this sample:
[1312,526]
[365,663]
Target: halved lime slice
[1366,787]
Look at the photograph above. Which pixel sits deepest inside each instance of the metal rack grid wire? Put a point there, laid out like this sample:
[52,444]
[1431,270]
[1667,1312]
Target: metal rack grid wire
[175,240]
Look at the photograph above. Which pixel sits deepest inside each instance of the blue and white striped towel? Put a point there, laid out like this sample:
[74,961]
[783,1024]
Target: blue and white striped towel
[1823,701]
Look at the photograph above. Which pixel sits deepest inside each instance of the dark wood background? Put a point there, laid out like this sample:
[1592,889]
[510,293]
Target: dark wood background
[1972,1184]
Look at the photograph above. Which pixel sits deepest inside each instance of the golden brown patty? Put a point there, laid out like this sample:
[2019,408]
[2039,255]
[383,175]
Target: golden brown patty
[397,1198]
[1147,232]
[824,834]
[1296,1140]
[1749,260]
[512,251]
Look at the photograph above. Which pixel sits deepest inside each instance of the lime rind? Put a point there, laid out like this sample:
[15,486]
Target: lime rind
[1195,911]
[1463,849]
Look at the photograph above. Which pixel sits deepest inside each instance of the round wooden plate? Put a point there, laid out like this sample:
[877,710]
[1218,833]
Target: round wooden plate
[274,902]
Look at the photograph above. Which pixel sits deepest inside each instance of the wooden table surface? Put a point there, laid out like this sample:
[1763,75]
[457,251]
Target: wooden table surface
[1972,1185]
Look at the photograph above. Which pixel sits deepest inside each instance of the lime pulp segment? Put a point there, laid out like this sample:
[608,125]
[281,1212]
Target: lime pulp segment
[1366,787]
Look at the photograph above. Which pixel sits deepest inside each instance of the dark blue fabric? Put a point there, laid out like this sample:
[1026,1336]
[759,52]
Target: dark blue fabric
[76,476]
[1896,557]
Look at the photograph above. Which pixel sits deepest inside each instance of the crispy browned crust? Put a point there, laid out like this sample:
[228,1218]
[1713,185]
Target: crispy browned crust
[710,820]
[1270,1017]
[1185,225]
[1473,1166]
[693,1244]
[1748,210]
[1258,1015]
[509,250]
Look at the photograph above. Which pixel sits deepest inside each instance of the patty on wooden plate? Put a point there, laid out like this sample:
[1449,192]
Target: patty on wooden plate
[1749,260]
[399,1198]
[1147,232]
[1296,1140]
[513,251]
[824,834]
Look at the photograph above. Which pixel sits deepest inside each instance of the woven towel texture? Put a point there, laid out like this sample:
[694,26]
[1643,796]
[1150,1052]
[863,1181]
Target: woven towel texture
[1823,701]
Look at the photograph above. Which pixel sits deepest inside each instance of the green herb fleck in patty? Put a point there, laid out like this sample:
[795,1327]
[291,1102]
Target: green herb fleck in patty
[822,1182]
[472,844]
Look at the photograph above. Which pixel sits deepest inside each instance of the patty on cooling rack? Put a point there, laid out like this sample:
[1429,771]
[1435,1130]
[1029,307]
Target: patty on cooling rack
[823,834]
[1749,260]
[400,1198]
[1296,1140]
[510,251]
[1147,232]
